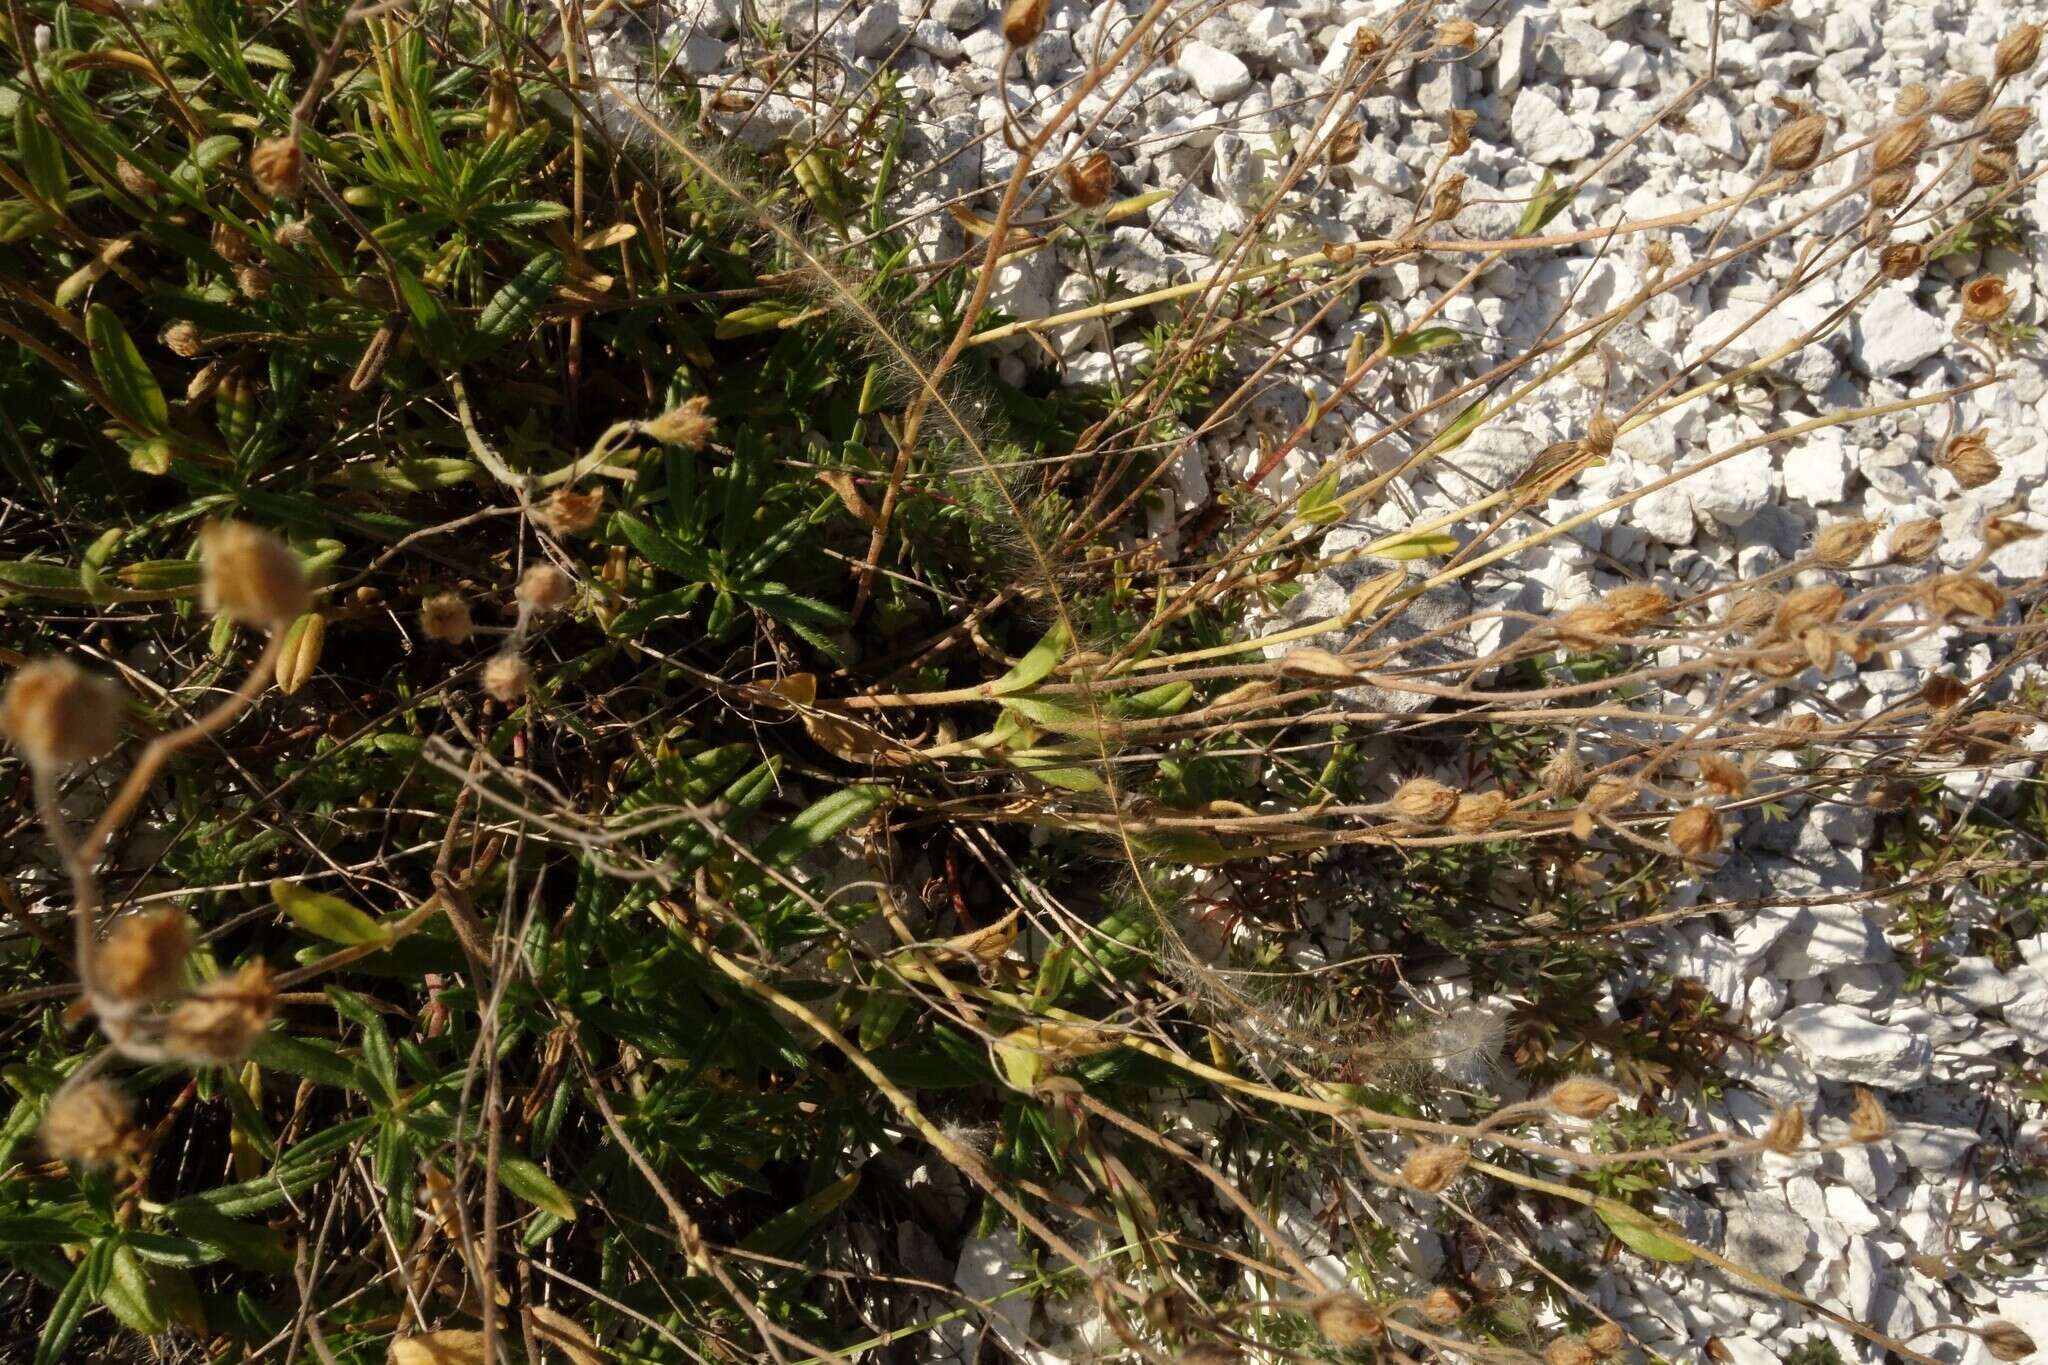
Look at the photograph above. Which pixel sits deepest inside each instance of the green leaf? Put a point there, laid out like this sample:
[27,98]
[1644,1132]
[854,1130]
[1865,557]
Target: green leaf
[190,174]
[1049,714]
[123,374]
[19,218]
[40,575]
[1318,505]
[821,820]
[528,1181]
[130,1295]
[325,916]
[1037,663]
[783,1234]
[27,1230]
[685,561]
[301,1057]
[69,1309]
[1426,339]
[1548,203]
[515,303]
[437,329]
[1422,545]
[42,155]
[1642,1234]
[753,318]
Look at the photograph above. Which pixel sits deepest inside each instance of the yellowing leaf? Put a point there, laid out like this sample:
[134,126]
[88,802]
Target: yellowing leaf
[299,655]
[1641,1233]
[325,916]
[1030,1052]
[986,944]
[1310,664]
[1418,546]
[452,1346]
[563,1333]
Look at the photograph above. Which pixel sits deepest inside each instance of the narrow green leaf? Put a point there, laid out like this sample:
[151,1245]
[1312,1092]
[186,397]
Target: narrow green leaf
[69,1309]
[516,302]
[129,1294]
[123,374]
[325,916]
[1037,663]
[752,318]
[1641,1233]
[786,1231]
[1546,205]
[1318,505]
[821,820]
[1422,545]
[529,1182]
[42,155]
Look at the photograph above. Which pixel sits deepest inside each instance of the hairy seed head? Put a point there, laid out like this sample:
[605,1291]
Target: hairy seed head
[1963,594]
[1868,1121]
[251,576]
[544,588]
[1798,144]
[59,715]
[1900,146]
[684,425]
[1804,608]
[1787,1131]
[218,1023]
[1968,458]
[277,167]
[506,677]
[1563,775]
[1722,776]
[1912,99]
[1605,1339]
[1442,1308]
[1581,1097]
[1992,167]
[1568,1351]
[143,958]
[232,245]
[1913,541]
[1425,801]
[1345,1320]
[89,1124]
[1433,1167]
[2007,124]
[445,617]
[2016,52]
[1962,99]
[1890,191]
[1696,832]
[570,513]
[1477,812]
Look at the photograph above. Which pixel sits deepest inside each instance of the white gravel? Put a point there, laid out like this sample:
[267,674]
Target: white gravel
[1554,85]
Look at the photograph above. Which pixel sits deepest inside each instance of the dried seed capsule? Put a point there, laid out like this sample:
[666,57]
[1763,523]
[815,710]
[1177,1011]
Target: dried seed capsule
[59,715]
[2000,532]
[1912,99]
[1787,1131]
[1581,1097]
[232,245]
[1433,1167]
[1985,300]
[1843,543]
[1722,776]
[1425,801]
[1992,167]
[143,959]
[1963,594]
[1457,33]
[570,513]
[253,281]
[1805,608]
[1343,146]
[1867,1120]
[218,1023]
[1366,42]
[1458,125]
[1345,1320]
[277,166]
[1600,434]
[1890,191]
[1636,605]
[445,616]
[2016,52]
[134,179]
[295,235]
[506,677]
[1090,179]
[1943,691]
[544,588]
[1913,541]
[1442,1308]
[1900,146]
[1798,144]
[1568,1351]
[1969,460]
[1901,261]
[684,425]
[1749,610]
[89,1124]
[300,653]
[1563,775]
[1478,812]
[1449,199]
[1962,99]
[1696,832]
[1605,1339]
[1023,20]
[2005,1341]
[251,575]
[2007,124]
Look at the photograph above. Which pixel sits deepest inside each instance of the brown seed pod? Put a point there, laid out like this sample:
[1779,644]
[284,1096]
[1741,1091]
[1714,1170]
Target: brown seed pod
[1478,812]
[1842,543]
[570,513]
[1636,605]
[1890,191]
[1820,646]
[445,617]
[1787,1131]
[1342,148]
[134,179]
[1563,775]
[253,281]
[1804,608]
[1912,99]
[1797,145]
[1900,146]
[544,588]
[1424,801]
[299,656]
[1433,1167]
[2016,52]
[1589,626]
[2007,124]
[1090,179]
[143,958]
[1913,541]
[2000,532]
[506,677]
[59,715]
[1749,610]
[684,425]
[1722,776]
[218,1023]
[1458,125]
[1610,794]
[1605,1339]
[277,166]
[1962,99]
[1345,1320]
[1581,1097]
[89,1124]
[1867,1120]
[232,245]
[1963,594]
[1943,691]
[1442,1308]
[1696,832]
[1901,261]
[1992,167]
[295,235]
[1457,33]
[251,575]
[1657,255]
[1968,458]
[1448,200]
[2005,1341]
[1985,300]
[1366,42]
[1023,20]
[1568,1351]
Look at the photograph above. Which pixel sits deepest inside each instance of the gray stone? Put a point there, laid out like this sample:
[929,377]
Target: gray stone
[1844,1044]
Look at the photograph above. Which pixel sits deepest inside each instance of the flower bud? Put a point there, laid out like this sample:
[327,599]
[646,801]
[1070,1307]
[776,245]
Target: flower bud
[276,165]
[1899,146]
[1425,801]
[2005,1341]
[544,588]
[1962,99]
[89,1124]
[1787,1131]
[251,576]
[1867,1120]
[1696,832]
[2007,124]
[1090,179]
[1901,261]
[1345,1320]
[59,715]
[218,1023]
[445,617]
[143,958]
[1969,460]
[2016,52]
[1842,543]
[506,677]
[1913,541]
[1985,300]
[1798,144]
[1581,1097]
[1433,1167]
[684,425]
[570,513]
